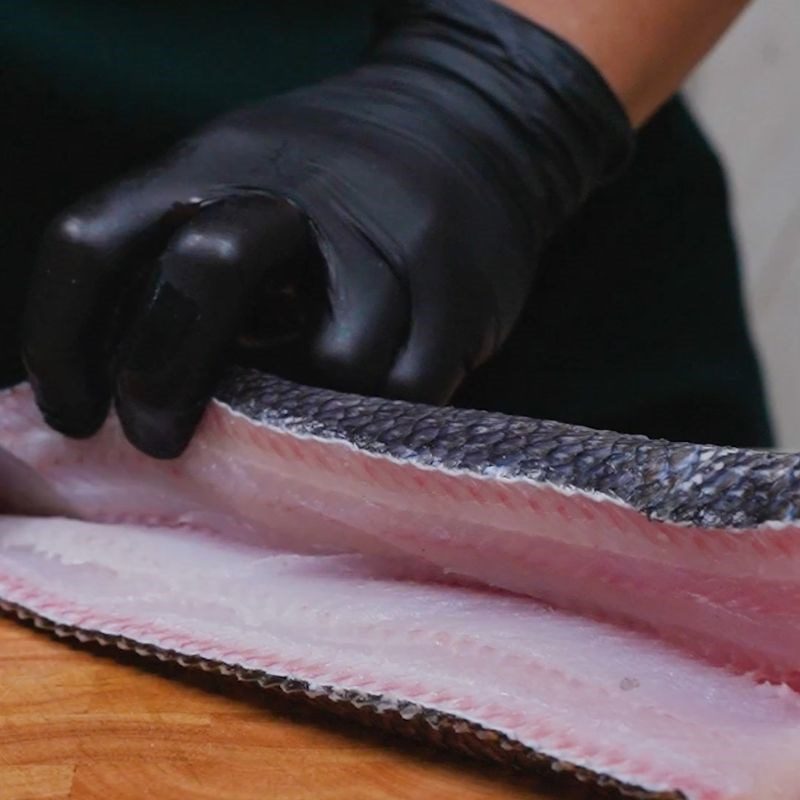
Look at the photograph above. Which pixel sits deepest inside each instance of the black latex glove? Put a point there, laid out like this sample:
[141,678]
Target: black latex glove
[421,186]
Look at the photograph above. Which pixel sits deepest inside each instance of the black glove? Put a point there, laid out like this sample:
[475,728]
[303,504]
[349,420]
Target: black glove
[414,194]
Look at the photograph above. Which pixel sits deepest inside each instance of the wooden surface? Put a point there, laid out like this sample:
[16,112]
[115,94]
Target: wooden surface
[97,724]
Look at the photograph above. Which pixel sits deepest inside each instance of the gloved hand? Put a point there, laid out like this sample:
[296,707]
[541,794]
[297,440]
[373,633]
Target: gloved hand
[414,194]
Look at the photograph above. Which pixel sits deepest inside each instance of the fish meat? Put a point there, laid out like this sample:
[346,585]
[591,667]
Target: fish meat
[539,593]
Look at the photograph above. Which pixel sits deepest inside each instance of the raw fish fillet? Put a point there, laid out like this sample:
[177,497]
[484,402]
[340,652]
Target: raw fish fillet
[540,593]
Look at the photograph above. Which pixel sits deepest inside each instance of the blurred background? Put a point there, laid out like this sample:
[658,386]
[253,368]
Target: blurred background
[747,96]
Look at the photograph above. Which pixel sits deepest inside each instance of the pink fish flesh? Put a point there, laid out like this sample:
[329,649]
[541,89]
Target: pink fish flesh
[622,607]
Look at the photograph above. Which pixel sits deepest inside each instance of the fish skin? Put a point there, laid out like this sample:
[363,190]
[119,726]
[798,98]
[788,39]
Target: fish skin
[706,486]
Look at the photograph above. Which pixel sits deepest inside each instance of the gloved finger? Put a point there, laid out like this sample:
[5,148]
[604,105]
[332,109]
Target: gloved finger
[444,344]
[205,278]
[449,334]
[367,318]
[86,262]
[426,372]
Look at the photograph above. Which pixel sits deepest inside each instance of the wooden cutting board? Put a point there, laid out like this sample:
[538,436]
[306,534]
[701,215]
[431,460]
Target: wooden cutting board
[84,724]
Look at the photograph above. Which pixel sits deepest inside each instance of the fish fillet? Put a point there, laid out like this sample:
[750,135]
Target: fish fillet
[619,607]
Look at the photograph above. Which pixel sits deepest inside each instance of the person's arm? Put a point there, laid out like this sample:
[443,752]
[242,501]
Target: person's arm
[644,49]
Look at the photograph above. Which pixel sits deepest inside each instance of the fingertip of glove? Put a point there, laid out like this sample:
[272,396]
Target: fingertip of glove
[158,433]
[73,427]
[77,421]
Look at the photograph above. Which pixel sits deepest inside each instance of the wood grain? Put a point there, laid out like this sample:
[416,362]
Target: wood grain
[85,724]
